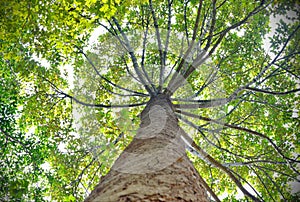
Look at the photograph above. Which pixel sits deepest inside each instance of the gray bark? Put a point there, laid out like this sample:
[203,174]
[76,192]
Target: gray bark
[154,167]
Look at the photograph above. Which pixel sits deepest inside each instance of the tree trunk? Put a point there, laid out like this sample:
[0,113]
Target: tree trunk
[154,167]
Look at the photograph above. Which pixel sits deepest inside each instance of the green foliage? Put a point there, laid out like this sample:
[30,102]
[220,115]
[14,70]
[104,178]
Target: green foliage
[56,149]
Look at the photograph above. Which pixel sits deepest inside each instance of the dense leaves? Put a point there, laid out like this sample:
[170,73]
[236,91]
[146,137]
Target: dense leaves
[230,67]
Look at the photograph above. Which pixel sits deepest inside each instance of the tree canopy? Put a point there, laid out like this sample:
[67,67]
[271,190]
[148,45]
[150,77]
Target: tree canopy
[230,67]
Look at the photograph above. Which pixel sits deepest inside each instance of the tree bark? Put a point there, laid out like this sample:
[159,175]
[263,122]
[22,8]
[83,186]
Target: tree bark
[154,167]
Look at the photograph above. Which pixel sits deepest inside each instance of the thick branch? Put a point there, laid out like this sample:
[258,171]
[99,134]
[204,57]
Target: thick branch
[133,58]
[128,70]
[212,26]
[161,55]
[187,53]
[169,30]
[143,57]
[189,140]
[108,81]
[234,95]
[199,60]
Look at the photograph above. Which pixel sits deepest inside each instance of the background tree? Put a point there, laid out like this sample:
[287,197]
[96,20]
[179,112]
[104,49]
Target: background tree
[236,98]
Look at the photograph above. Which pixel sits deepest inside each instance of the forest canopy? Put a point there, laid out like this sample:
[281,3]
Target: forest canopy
[75,76]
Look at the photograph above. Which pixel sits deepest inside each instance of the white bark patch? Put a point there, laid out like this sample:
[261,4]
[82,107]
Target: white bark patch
[157,144]
[158,119]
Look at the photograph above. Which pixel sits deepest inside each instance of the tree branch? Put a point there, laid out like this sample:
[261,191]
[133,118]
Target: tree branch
[143,58]
[199,60]
[262,182]
[277,149]
[198,128]
[108,81]
[91,105]
[187,53]
[237,164]
[185,22]
[272,92]
[133,58]
[168,30]
[234,95]
[190,141]
[161,55]
[128,70]
[202,103]
[207,187]
[255,79]
[79,177]
[212,26]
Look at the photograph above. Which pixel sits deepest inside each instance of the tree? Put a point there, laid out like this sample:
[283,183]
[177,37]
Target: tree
[207,83]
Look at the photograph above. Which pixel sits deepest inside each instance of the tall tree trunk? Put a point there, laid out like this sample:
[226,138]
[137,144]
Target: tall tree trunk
[154,167]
